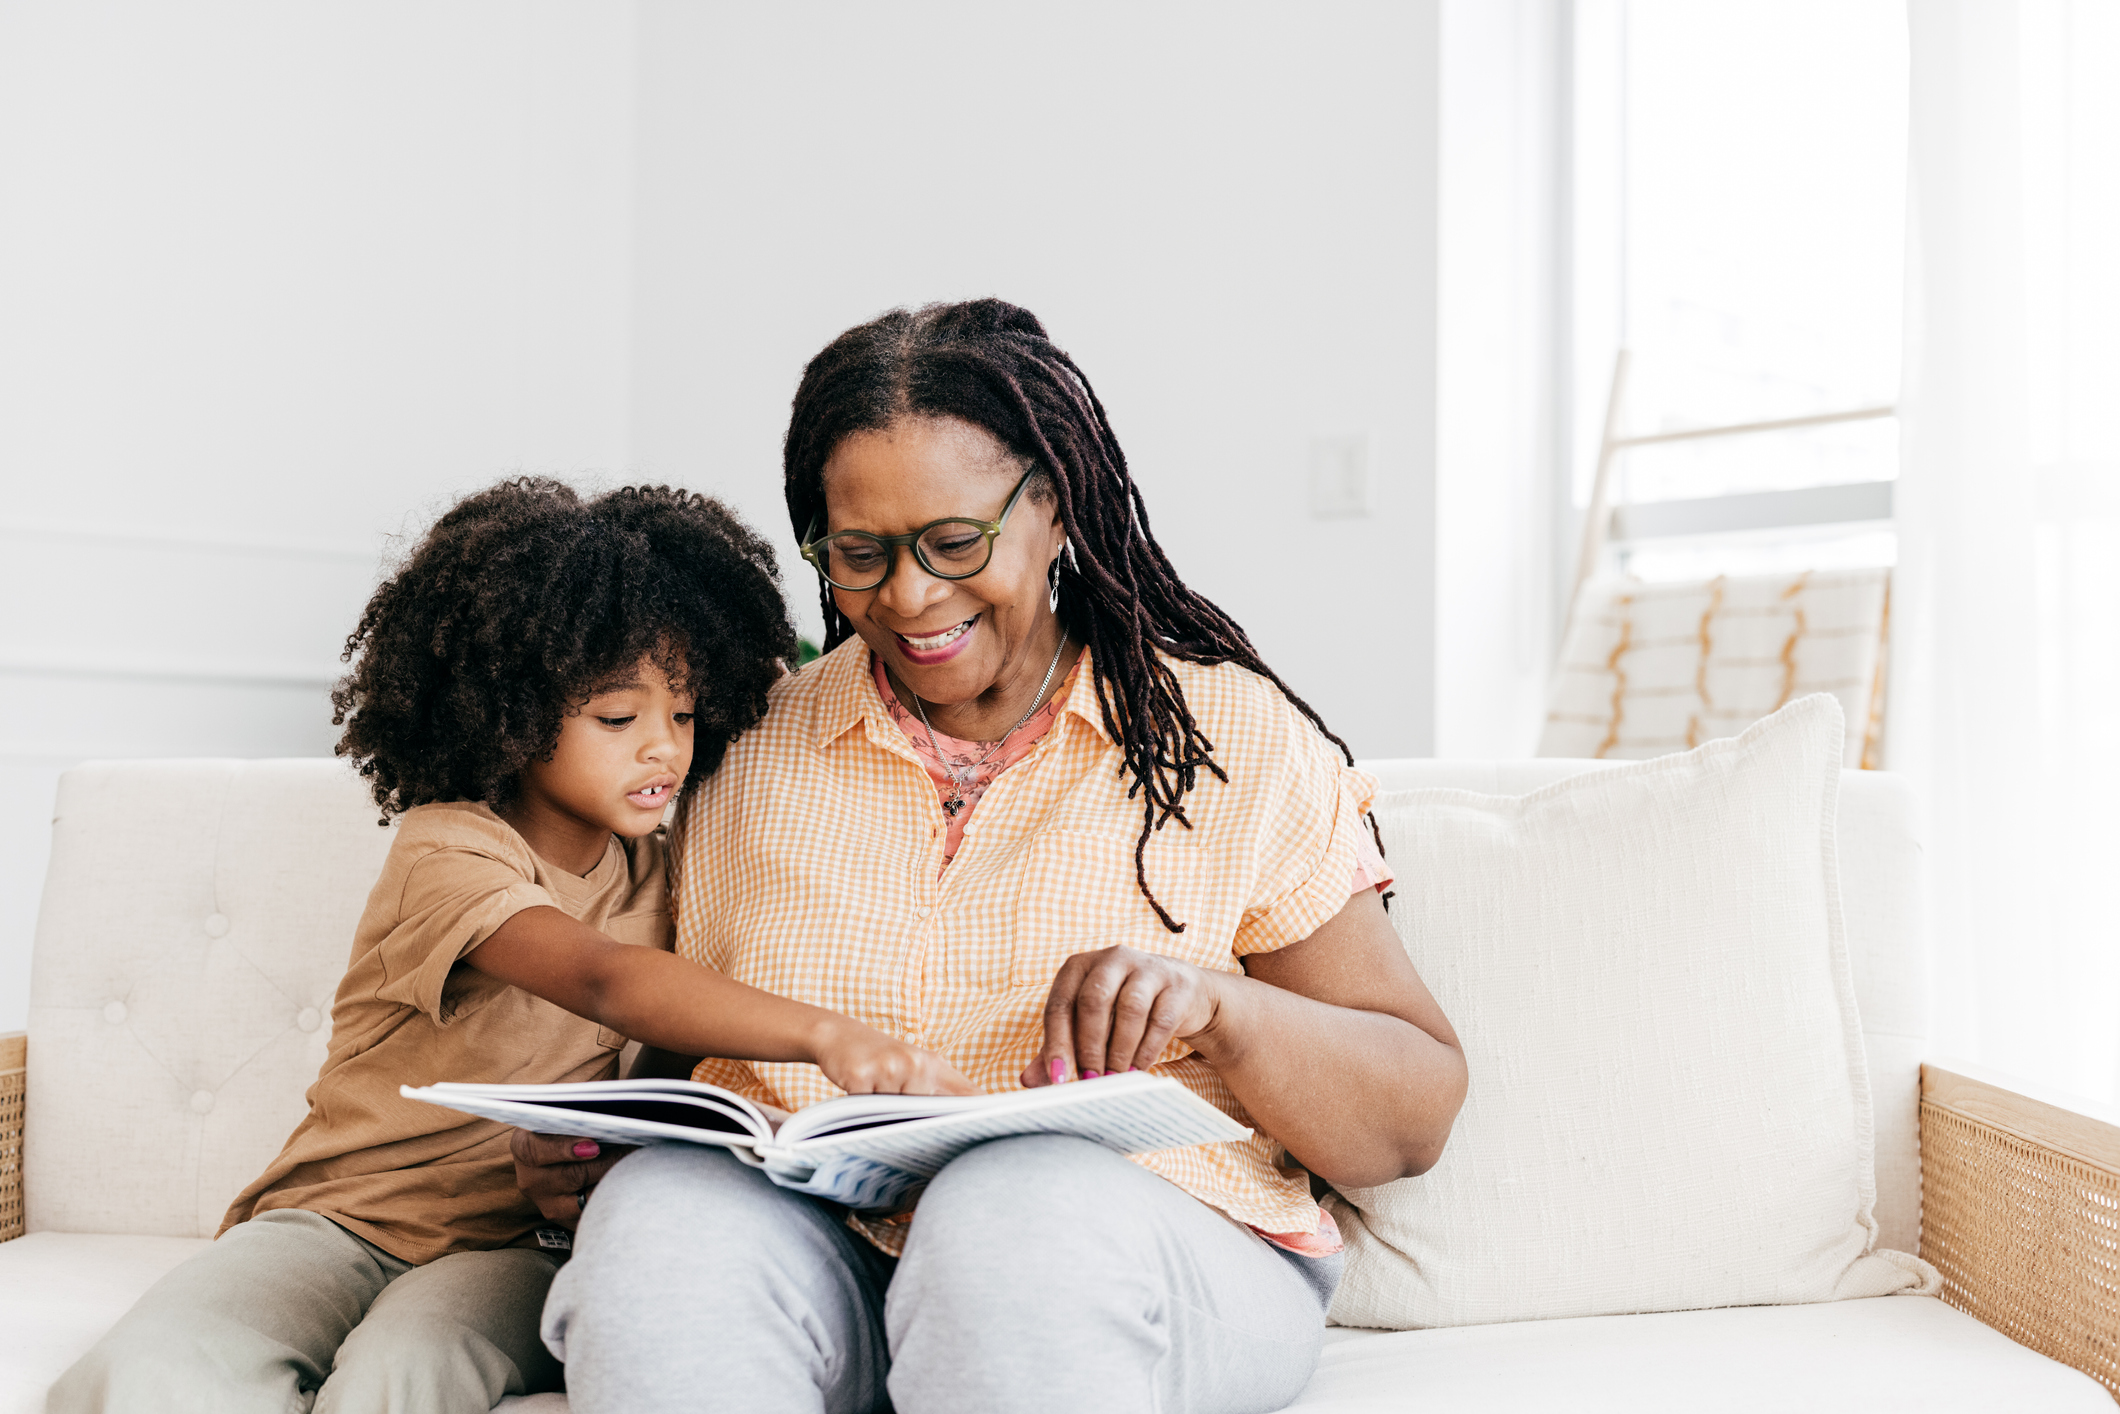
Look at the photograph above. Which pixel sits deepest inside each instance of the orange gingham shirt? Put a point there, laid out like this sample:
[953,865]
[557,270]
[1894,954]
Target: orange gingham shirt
[811,867]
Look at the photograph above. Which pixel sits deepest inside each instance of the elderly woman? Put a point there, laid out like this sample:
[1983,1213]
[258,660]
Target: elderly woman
[1042,809]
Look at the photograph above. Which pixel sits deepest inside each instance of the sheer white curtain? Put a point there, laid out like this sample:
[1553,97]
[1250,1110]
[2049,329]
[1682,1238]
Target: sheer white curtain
[2006,693]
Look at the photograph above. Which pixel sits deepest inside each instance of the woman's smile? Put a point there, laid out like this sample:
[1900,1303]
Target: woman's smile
[931,649]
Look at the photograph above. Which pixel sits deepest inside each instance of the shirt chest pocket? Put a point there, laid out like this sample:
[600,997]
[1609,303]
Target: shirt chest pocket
[1078,893]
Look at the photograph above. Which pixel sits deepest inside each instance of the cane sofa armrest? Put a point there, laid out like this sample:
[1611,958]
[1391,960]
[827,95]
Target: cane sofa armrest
[2020,1212]
[14,1075]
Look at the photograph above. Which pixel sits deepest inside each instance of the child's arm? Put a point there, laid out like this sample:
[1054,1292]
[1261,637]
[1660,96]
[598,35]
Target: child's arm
[660,999]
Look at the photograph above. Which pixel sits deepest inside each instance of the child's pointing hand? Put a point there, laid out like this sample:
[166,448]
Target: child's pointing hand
[863,1061]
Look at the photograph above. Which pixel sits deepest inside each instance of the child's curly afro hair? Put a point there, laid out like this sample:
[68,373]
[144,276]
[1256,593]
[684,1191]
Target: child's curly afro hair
[525,598]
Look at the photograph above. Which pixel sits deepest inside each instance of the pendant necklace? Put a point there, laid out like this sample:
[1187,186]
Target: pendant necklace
[958,783]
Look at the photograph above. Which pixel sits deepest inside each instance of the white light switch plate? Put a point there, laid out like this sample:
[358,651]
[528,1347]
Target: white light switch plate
[1339,476]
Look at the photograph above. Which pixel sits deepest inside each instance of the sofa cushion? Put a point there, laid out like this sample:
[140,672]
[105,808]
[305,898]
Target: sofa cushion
[1855,1356]
[1881,903]
[1892,1353]
[1669,1108]
[196,919]
[59,1291]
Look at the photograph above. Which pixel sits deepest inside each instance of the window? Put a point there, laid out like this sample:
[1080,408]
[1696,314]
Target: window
[1739,217]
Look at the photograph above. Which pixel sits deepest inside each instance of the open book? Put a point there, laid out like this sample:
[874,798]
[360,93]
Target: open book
[867,1151]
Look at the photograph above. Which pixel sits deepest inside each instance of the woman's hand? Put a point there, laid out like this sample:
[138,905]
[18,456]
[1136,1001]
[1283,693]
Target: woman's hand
[556,1171]
[863,1061]
[1115,1010]
[1333,1045]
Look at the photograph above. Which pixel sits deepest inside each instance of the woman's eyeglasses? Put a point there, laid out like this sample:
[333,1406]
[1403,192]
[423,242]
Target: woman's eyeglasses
[954,548]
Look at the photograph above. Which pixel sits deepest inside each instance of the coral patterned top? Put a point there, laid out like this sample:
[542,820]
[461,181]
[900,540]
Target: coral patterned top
[813,866]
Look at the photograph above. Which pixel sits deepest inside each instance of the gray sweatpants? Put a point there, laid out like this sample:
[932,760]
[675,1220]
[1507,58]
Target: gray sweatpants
[1042,1273]
[289,1312]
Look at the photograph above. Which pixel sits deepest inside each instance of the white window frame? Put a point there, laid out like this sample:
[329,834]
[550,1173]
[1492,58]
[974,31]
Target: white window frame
[1594,178]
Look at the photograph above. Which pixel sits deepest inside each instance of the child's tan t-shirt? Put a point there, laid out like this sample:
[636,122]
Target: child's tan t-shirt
[416,1180]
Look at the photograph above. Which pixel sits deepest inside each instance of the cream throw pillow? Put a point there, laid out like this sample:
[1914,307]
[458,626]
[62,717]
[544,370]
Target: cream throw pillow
[1669,1107]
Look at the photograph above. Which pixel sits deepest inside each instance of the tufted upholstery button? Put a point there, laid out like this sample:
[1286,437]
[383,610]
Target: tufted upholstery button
[308,1018]
[216,925]
[201,1102]
[114,1012]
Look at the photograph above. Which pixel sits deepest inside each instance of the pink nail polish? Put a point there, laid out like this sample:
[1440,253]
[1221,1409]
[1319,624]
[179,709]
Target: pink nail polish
[586,1149]
[1058,1070]
[1091,1074]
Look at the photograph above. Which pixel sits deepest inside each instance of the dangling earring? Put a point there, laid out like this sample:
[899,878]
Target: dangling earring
[1052,579]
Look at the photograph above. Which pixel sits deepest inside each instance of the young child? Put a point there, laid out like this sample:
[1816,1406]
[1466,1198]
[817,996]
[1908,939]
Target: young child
[535,686]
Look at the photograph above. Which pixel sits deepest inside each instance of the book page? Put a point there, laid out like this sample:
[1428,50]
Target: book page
[1136,1113]
[850,1112]
[612,1111]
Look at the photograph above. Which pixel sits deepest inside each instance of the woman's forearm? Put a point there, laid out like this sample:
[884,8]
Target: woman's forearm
[1358,1097]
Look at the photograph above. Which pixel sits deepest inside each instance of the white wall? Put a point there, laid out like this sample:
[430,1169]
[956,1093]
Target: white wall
[275,281]
[1225,212]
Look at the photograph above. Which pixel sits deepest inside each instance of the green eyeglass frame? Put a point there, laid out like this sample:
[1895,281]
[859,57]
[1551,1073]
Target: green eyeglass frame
[816,550]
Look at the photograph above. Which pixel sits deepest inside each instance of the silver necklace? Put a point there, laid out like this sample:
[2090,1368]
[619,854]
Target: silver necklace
[958,783]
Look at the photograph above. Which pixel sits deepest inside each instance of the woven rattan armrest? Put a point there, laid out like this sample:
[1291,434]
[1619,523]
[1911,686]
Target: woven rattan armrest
[14,1075]
[2020,1212]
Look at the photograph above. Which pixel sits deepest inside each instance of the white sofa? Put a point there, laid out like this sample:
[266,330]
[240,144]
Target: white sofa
[197,915]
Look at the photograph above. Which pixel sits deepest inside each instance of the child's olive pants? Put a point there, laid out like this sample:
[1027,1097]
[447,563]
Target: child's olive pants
[291,1312]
